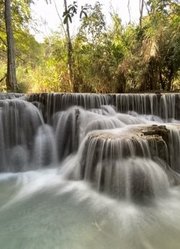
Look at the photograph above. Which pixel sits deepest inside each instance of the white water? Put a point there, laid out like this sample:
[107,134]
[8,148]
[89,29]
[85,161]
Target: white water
[88,187]
[42,210]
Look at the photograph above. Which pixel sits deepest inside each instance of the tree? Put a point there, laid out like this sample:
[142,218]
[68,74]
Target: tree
[152,59]
[161,39]
[11,66]
[90,45]
[141,8]
[68,14]
[135,57]
[17,19]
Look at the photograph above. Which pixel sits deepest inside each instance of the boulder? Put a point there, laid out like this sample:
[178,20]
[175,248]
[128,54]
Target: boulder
[133,161]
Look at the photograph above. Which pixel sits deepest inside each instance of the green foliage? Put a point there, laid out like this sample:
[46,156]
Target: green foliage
[119,58]
[93,24]
[153,59]
[70,12]
[20,15]
[2,76]
[42,78]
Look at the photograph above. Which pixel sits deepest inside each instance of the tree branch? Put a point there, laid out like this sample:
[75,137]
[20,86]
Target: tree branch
[129,10]
[3,77]
[59,16]
[3,41]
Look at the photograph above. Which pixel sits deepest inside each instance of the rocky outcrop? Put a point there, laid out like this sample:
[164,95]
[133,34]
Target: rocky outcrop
[157,137]
[135,155]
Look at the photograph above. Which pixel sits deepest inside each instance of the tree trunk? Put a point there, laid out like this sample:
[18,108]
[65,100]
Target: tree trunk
[11,82]
[141,8]
[129,11]
[69,52]
[163,85]
[170,79]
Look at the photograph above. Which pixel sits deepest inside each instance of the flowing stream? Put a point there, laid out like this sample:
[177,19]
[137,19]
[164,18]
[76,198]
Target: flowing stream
[90,176]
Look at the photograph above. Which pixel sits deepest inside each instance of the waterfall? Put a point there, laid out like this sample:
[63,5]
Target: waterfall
[19,121]
[87,171]
[125,146]
[166,106]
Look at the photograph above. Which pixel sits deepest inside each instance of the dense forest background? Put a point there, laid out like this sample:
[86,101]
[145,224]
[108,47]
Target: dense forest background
[136,57]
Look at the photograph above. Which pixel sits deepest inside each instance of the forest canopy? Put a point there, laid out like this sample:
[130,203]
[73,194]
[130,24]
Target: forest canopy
[137,57]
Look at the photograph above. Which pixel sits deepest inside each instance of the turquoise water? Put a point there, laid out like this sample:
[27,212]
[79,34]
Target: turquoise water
[41,210]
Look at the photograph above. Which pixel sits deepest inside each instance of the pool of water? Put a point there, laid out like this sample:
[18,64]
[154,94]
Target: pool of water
[42,210]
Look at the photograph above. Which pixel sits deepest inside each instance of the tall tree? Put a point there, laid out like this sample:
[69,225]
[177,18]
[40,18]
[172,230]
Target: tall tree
[11,81]
[68,14]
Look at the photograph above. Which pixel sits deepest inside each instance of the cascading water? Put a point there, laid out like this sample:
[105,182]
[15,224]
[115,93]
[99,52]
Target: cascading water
[19,122]
[87,171]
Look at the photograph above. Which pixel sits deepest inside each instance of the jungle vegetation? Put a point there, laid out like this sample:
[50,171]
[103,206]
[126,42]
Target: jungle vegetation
[137,57]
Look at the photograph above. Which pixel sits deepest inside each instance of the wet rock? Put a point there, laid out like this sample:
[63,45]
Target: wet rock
[158,139]
[104,154]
